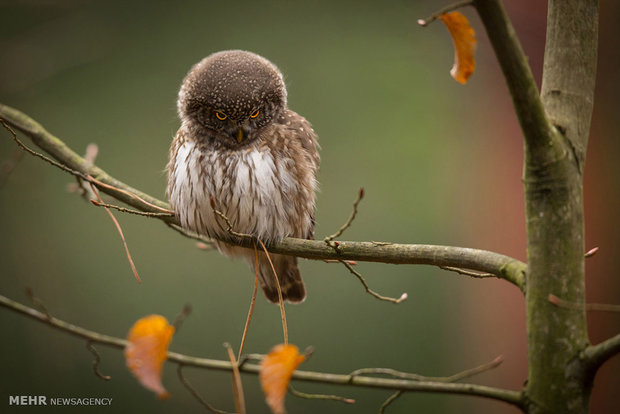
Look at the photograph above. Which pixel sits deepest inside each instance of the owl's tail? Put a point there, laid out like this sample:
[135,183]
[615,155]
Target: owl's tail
[293,289]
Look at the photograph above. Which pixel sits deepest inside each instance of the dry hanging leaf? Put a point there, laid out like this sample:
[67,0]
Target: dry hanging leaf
[275,374]
[147,350]
[464,39]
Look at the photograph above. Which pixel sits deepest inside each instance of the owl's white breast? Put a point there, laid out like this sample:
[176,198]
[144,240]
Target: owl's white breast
[250,187]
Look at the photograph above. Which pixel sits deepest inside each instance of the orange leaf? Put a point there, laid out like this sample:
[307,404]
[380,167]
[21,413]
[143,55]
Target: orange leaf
[147,350]
[464,39]
[275,374]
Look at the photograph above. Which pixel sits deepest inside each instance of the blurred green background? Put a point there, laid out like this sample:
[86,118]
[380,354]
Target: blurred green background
[440,162]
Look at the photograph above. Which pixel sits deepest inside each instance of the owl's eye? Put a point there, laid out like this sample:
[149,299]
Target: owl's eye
[255,113]
[220,116]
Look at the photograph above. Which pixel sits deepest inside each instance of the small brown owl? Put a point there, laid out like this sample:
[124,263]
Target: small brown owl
[240,146]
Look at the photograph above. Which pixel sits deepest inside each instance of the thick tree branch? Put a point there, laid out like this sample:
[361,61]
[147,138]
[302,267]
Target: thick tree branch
[508,396]
[500,266]
[596,355]
[569,72]
[555,129]
[539,134]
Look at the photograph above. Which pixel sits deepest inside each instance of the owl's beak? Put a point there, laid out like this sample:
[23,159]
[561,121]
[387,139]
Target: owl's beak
[240,135]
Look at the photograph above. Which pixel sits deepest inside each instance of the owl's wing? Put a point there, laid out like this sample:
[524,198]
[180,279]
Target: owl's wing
[177,142]
[299,129]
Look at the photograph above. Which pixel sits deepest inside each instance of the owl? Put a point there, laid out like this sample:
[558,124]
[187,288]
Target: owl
[241,148]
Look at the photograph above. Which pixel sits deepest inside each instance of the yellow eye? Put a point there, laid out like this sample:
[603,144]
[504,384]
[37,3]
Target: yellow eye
[220,116]
[255,113]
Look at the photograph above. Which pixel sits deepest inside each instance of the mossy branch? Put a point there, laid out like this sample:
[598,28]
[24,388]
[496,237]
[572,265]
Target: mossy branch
[500,266]
[596,355]
[555,130]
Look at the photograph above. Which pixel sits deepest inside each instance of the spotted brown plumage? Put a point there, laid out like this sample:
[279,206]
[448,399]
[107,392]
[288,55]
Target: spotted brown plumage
[240,146]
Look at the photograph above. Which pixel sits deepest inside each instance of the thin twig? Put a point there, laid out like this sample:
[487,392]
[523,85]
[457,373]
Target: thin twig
[475,370]
[246,328]
[180,318]
[447,9]
[603,307]
[509,396]
[92,150]
[351,262]
[230,230]
[90,157]
[237,385]
[193,391]
[591,252]
[37,302]
[329,240]
[369,290]
[467,272]
[308,352]
[130,210]
[417,377]
[39,155]
[191,235]
[249,357]
[389,401]
[347,224]
[120,231]
[79,174]
[308,396]
[96,361]
[168,212]
[229,226]
[280,298]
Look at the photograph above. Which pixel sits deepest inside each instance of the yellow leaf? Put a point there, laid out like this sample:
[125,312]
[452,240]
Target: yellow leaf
[275,374]
[464,39]
[147,350]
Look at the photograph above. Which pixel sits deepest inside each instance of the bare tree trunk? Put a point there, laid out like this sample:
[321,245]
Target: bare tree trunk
[555,128]
[553,179]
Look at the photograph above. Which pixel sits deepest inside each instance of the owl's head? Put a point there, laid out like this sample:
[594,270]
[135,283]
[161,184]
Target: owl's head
[232,96]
